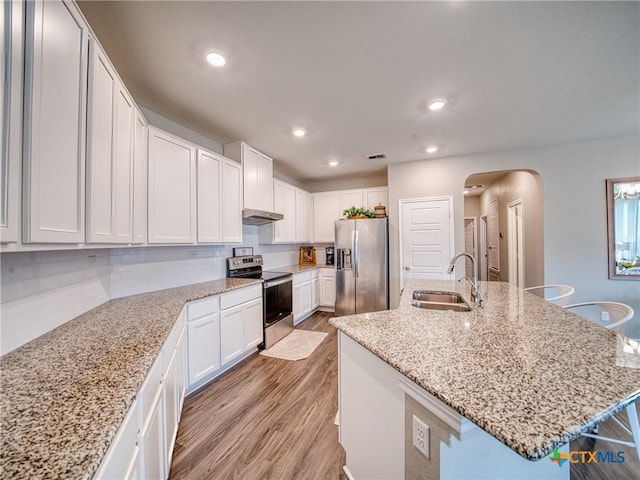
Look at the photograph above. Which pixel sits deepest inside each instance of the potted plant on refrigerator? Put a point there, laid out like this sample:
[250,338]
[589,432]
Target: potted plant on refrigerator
[358,212]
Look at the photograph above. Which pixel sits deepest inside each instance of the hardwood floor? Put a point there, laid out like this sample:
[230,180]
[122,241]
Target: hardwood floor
[273,419]
[628,470]
[266,419]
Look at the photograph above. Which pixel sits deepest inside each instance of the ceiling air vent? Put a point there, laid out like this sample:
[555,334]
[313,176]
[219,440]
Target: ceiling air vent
[377,156]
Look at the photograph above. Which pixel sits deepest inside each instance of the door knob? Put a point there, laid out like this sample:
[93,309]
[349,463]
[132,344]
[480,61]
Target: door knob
[407,268]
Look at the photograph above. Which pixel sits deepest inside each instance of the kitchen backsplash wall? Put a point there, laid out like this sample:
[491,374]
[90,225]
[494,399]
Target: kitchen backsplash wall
[42,290]
[145,269]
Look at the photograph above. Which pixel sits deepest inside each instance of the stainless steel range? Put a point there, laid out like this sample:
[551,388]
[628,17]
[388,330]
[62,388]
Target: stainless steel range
[277,295]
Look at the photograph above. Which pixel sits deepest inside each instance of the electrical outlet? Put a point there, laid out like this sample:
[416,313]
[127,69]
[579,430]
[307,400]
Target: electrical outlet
[604,316]
[421,436]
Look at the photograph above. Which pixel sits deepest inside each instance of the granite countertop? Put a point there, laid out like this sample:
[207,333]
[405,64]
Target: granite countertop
[528,372]
[64,395]
[300,268]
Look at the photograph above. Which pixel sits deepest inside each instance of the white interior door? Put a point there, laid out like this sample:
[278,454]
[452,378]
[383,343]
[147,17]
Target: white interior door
[426,238]
[494,238]
[469,243]
[515,243]
[483,248]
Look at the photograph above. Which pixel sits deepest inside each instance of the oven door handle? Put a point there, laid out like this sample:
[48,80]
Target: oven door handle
[275,283]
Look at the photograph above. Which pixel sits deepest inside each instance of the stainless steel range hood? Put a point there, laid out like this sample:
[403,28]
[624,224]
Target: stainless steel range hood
[259,217]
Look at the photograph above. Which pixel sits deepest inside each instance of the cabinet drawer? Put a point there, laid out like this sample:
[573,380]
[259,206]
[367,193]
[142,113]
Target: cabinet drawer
[242,295]
[303,277]
[202,307]
[148,389]
[327,272]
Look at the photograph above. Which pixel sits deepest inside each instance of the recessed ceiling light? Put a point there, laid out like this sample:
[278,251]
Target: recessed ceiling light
[333,163]
[437,104]
[299,132]
[431,149]
[216,59]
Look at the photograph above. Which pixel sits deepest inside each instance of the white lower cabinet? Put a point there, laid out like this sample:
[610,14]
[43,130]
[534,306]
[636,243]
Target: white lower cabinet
[170,391]
[151,440]
[253,325]
[315,298]
[221,331]
[327,290]
[231,334]
[305,294]
[230,325]
[121,460]
[181,373]
[204,347]
[143,446]
[240,329]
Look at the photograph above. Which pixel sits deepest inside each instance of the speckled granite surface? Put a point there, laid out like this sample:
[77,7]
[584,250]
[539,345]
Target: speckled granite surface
[64,395]
[298,268]
[529,373]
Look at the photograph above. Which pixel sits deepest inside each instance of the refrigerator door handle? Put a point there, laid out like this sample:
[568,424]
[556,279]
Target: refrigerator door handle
[356,253]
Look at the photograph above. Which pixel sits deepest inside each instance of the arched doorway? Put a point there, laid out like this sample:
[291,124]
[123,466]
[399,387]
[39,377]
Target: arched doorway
[506,208]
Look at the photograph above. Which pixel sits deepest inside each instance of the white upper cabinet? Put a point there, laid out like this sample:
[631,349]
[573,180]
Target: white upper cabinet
[284,201]
[308,217]
[348,199]
[231,202]
[172,189]
[376,196]
[328,207]
[219,199]
[11,68]
[209,196]
[257,175]
[55,116]
[293,203]
[325,213]
[124,129]
[110,133]
[100,168]
[300,206]
[140,179]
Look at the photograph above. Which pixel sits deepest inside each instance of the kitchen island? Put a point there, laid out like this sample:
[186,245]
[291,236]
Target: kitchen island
[522,371]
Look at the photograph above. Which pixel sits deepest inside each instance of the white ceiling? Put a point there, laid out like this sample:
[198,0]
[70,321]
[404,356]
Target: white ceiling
[357,74]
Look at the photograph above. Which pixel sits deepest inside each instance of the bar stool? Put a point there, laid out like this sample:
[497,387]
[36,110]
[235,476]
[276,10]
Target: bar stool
[557,294]
[612,316]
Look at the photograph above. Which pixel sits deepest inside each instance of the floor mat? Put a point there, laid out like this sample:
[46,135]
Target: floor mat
[297,345]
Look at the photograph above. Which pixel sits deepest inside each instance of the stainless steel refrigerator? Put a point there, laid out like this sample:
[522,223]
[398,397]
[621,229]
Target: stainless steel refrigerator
[362,265]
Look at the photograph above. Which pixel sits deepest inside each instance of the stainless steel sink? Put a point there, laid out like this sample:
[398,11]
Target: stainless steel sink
[433,300]
[455,307]
[441,297]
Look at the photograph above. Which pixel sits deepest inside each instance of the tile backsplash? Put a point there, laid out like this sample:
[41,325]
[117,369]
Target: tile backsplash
[42,290]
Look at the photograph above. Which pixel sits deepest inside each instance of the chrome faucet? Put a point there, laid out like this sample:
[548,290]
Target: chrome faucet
[475,291]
